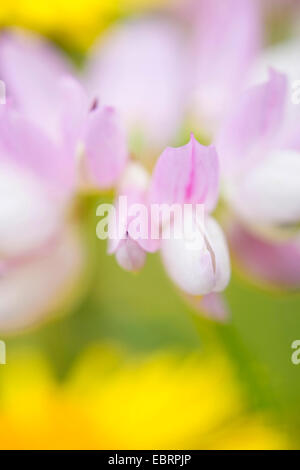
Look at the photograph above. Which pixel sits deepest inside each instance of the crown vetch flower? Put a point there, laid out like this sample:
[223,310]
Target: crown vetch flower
[260,158]
[160,71]
[49,135]
[130,250]
[190,175]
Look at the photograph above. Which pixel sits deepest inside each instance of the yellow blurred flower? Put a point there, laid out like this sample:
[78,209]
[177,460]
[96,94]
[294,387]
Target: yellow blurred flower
[108,402]
[73,22]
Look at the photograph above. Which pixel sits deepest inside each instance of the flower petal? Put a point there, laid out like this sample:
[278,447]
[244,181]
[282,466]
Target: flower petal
[133,190]
[130,256]
[218,246]
[270,194]
[226,40]
[26,145]
[276,263]
[31,69]
[105,147]
[202,267]
[40,285]
[252,128]
[284,57]
[29,217]
[73,113]
[188,174]
[211,305]
[139,68]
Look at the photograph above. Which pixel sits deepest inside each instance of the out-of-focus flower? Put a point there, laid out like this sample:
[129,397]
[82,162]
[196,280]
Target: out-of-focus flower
[75,24]
[212,306]
[196,258]
[32,212]
[193,250]
[276,262]
[193,247]
[226,38]
[33,208]
[260,158]
[50,135]
[285,58]
[272,255]
[140,67]
[166,401]
[39,86]
[36,286]
[259,154]
[158,70]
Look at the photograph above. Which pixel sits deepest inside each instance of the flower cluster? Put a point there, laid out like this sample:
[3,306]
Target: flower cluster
[64,132]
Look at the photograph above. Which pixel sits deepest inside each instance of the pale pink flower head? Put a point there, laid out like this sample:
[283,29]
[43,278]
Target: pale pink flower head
[52,139]
[160,71]
[270,262]
[31,69]
[190,175]
[225,39]
[40,257]
[44,122]
[41,86]
[33,199]
[259,150]
[197,259]
[260,157]
[140,67]
[35,287]
[132,243]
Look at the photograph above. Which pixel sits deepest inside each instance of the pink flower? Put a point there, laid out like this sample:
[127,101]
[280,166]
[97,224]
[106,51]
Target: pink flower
[130,250]
[190,175]
[33,287]
[225,39]
[33,196]
[260,158]
[52,140]
[272,262]
[197,258]
[140,67]
[40,88]
[161,71]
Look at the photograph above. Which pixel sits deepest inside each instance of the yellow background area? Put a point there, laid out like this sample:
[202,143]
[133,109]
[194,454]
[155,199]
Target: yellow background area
[111,401]
[72,22]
